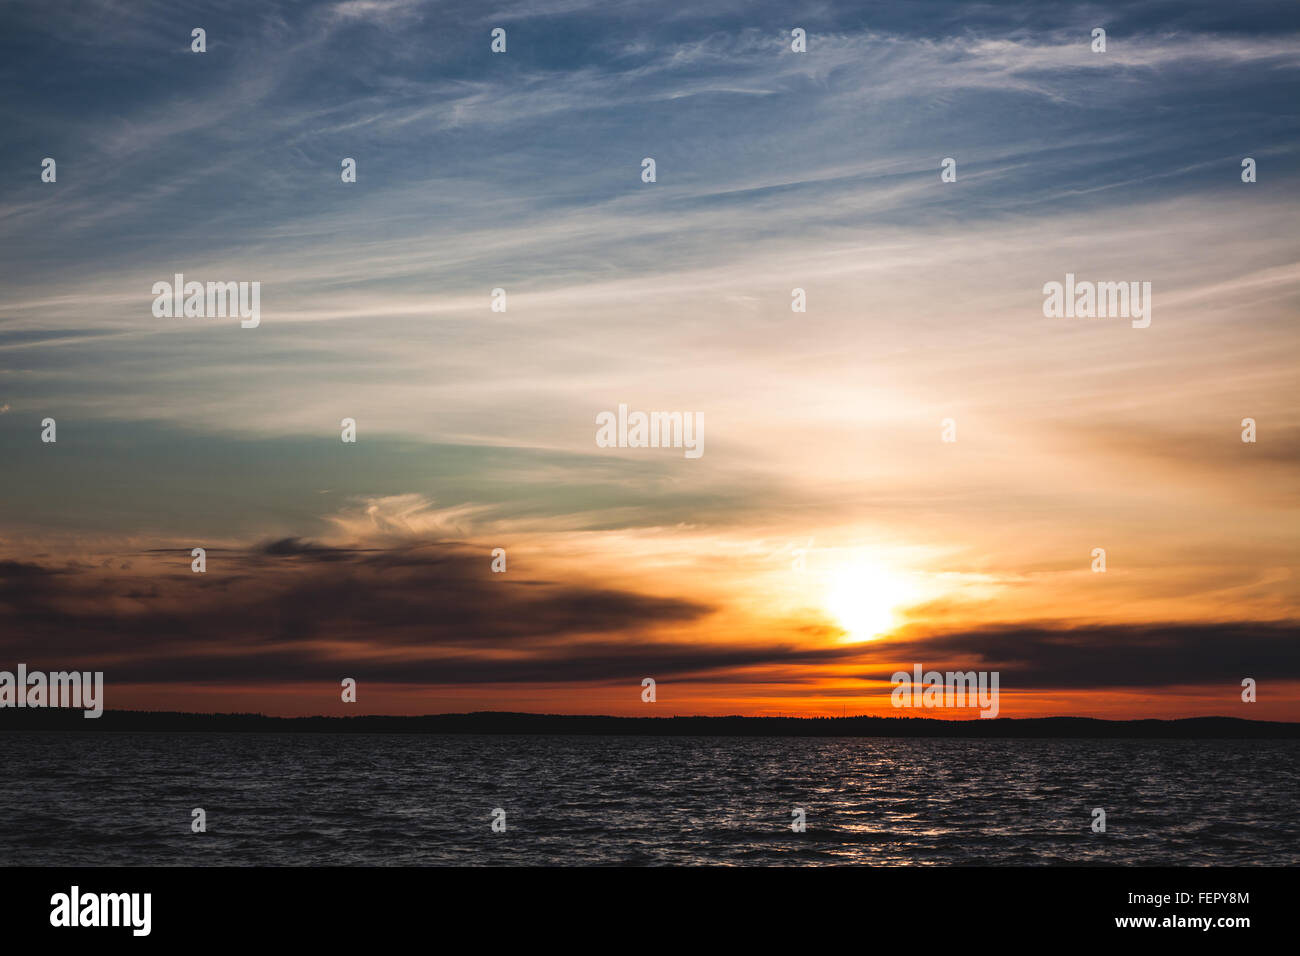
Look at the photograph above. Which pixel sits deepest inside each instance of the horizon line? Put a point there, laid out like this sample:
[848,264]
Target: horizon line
[502,723]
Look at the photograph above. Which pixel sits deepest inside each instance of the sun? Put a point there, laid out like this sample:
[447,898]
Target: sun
[864,598]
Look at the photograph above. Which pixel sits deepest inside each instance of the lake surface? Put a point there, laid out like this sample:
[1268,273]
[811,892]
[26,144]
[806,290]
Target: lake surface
[315,799]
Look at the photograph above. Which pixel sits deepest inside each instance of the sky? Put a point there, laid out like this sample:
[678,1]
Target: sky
[828,536]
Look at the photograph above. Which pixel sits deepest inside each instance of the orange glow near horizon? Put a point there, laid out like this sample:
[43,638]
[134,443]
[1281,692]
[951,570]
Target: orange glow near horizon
[714,700]
[782,626]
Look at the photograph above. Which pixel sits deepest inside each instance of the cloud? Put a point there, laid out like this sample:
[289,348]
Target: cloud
[293,610]
[421,608]
[402,516]
[1065,656]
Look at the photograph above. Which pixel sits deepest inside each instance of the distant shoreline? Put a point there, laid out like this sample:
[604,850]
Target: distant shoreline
[497,723]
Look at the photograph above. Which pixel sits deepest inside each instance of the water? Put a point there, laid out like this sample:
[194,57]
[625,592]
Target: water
[308,799]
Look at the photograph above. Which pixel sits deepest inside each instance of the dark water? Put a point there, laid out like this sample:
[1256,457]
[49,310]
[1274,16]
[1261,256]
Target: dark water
[408,800]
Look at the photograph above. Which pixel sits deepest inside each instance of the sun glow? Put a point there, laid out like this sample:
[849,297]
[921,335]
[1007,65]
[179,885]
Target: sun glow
[864,598]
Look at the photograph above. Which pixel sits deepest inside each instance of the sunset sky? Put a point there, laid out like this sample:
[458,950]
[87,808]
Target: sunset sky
[827,537]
